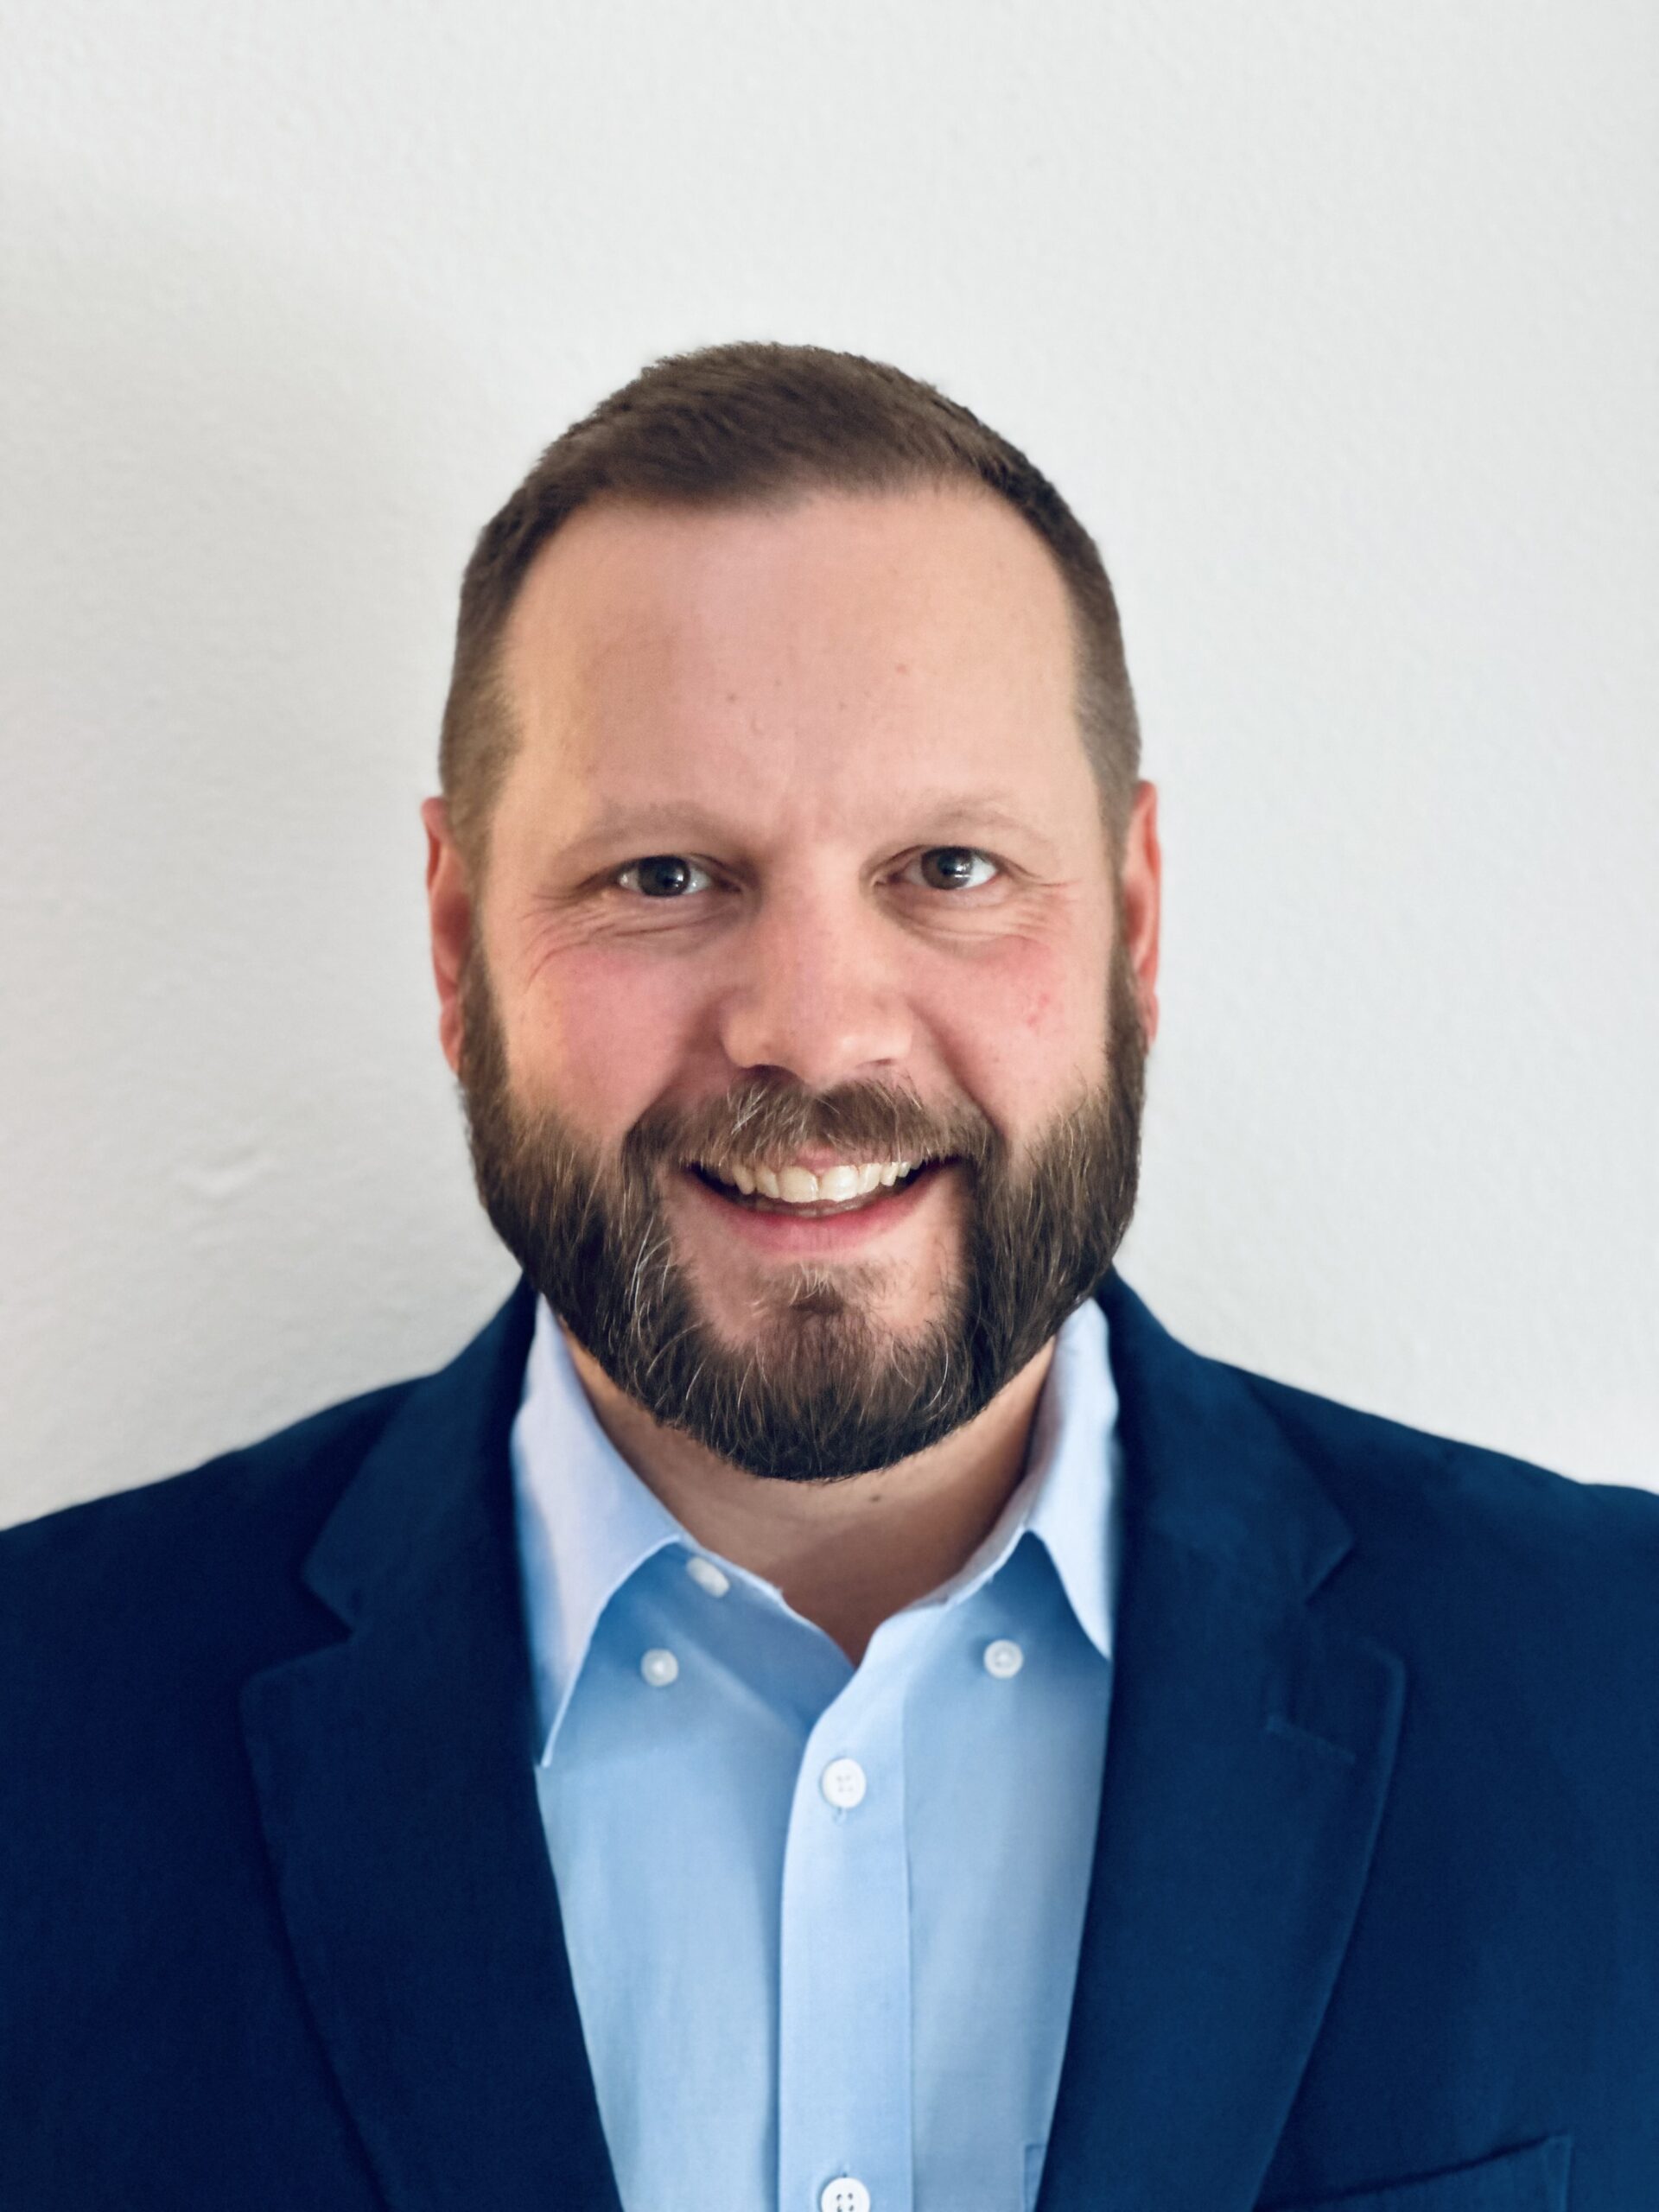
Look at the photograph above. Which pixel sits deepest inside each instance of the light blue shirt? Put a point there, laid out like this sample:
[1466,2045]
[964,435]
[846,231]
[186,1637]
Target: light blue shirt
[822,1922]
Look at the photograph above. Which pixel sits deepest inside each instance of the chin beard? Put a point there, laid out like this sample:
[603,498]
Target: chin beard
[819,1390]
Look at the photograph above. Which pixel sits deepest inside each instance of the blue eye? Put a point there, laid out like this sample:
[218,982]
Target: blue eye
[951,868]
[664,876]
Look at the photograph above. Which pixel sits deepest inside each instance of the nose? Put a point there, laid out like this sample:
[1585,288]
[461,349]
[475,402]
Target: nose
[817,991]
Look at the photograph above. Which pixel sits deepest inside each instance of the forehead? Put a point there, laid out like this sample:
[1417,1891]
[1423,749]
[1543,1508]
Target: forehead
[921,637]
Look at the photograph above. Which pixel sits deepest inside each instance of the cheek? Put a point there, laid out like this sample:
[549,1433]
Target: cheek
[604,1037]
[1024,1027]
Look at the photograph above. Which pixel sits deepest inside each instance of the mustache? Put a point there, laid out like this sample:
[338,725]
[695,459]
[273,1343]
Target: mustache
[767,1123]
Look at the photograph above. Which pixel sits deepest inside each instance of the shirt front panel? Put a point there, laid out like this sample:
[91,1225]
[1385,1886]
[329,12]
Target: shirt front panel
[823,1921]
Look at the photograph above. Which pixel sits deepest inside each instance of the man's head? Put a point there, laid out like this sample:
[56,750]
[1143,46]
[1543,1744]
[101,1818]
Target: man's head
[790,829]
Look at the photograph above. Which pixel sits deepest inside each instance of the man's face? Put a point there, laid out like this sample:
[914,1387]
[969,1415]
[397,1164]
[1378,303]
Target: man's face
[799,872]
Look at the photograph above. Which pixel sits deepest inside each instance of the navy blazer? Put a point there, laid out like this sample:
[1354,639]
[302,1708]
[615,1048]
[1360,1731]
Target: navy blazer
[1374,1919]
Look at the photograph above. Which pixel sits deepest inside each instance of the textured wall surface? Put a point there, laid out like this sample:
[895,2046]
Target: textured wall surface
[1336,322]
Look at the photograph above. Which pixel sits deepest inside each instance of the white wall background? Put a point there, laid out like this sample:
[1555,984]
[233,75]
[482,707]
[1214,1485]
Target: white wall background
[1336,321]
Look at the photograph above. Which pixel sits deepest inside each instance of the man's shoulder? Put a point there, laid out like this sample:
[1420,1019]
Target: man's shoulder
[1380,1465]
[1405,1495]
[1449,1531]
[203,1541]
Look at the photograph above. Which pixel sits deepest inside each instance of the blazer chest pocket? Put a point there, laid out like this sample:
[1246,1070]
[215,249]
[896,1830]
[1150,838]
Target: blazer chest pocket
[1529,2180]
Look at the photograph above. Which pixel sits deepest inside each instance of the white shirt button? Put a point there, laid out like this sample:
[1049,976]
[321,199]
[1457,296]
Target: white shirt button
[659,1668]
[1003,1658]
[846,2195]
[707,1576]
[843,1784]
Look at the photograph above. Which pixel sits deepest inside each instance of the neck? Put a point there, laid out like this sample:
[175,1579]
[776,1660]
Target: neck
[846,1554]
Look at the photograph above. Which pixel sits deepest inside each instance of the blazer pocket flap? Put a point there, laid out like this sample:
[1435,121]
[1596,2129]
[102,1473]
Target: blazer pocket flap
[1532,2179]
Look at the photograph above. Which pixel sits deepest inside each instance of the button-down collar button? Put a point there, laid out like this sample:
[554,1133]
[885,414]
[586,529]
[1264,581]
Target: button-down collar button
[707,1576]
[846,2195]
[659,1668]
[1003,1658]
[843,1784]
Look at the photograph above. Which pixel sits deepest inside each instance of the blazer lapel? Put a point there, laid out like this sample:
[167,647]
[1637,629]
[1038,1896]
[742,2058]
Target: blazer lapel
[395,1770]
[1247,1758]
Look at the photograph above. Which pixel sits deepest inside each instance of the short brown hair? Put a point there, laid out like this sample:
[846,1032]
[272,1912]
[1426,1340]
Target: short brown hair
[746,425]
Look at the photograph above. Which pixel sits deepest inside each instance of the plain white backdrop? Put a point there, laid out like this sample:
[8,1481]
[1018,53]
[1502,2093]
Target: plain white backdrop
[1336,322]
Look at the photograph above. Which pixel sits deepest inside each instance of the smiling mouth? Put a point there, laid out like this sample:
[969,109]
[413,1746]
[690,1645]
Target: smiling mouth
[807,1193]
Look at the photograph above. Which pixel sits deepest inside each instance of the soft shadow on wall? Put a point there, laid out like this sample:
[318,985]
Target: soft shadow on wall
[233,1152]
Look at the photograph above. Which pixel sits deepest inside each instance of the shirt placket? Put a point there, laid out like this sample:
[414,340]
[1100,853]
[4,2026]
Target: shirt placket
[845,2133]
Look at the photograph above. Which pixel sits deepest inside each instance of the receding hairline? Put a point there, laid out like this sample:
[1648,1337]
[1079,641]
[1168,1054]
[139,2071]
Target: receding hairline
[781,502]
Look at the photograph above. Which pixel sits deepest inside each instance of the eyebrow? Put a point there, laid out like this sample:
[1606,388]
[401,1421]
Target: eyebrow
[976,812]
[615,823]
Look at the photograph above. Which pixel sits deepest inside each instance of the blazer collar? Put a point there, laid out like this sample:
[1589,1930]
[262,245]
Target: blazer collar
[1213,1471]
[438,1469]
[1248,1757]
[1183,1420]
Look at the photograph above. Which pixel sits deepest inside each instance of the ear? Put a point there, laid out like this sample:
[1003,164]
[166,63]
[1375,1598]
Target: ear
[1143,869]
[449,910]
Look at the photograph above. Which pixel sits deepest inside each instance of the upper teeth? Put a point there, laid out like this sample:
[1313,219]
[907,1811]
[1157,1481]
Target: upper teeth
[799,1186]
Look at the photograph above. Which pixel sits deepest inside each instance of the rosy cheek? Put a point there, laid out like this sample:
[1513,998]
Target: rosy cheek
[607,1035]
[1037,989]
[1017,1026]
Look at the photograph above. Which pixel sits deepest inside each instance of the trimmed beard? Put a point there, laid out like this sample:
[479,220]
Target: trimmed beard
[820,1390]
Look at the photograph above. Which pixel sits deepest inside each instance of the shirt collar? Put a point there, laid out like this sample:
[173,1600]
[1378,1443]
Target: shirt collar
[1073,1471]
[587,1522]
[1065,1499]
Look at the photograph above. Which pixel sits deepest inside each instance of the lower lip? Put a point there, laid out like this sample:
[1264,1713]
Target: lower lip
[814,1235]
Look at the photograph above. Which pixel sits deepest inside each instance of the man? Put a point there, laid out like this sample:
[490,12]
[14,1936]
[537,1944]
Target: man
[815,1707]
